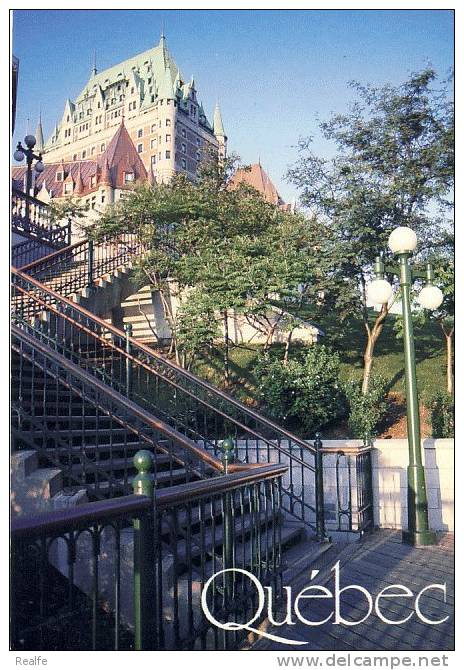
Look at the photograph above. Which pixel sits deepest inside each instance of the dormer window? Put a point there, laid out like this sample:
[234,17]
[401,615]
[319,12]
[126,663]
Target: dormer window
[59,175]
[68,188]
[129,177]
[93,181]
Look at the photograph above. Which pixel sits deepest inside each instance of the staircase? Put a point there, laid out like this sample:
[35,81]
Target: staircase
[87,397]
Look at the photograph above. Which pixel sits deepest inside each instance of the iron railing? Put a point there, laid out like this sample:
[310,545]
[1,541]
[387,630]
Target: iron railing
[190,534]
[29,251]
[80,265]
[351,495]
[191,406]
[32,218]
[88,430]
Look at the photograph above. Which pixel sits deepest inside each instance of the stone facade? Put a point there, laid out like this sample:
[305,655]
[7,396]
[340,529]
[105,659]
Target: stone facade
[161,111]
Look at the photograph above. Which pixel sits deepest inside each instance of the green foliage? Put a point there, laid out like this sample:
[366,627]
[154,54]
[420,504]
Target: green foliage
[393,166]
[441,408]
[196,326]
[304,394]
[366,411]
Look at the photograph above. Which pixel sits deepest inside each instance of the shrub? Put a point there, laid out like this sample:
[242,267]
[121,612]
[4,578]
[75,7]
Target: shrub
[441,407]
[305,394]
[366,411]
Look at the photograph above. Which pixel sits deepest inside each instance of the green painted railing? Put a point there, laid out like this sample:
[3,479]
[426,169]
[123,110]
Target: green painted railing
[81,598]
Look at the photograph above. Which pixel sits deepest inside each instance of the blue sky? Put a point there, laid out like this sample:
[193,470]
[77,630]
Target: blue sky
[274,72]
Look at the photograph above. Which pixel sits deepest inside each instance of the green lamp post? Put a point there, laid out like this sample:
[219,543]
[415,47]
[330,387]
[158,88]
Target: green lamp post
[403,242]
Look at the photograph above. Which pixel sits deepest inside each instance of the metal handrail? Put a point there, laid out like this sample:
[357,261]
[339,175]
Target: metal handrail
[186,374]
[193,407]
[133,408]
[31,217]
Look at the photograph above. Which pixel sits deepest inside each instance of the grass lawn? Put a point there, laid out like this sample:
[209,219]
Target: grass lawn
[349,341]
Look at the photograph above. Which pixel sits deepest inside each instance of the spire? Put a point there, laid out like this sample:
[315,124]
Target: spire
[79,187]
[218,126]
[105,175]
[164,49]
[94,69]
[39,146]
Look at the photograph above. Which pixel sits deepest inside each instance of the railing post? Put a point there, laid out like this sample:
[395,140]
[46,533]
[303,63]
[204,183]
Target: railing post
[144,556]
[90,263]
[128,331]
[319,474]
[69,231]
[227,448]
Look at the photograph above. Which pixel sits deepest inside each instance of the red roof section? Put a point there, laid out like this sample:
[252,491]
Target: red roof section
[258,178]
[119,157]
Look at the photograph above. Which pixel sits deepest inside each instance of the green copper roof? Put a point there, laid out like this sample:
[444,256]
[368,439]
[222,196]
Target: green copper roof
[218,126]
[158,58]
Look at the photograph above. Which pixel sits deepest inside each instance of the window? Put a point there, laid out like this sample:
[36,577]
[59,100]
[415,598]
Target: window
[132,90]
[128,177]
[140,132]
[74,157]
[153,128]
[102,147]
[93,202]
[84,153]
[153,144]
[139,148]
[68,188]
[184,164]
[92,151]
[102,199]
[184,132]
[153,159]
[168,123]
[198,156]
[67,119]
[93,181]
[184,148]
[198,142]
[168,154]
[59,176]
[168,138]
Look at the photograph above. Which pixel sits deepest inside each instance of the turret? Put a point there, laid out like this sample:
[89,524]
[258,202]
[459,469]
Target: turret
[218,128]
[39,143]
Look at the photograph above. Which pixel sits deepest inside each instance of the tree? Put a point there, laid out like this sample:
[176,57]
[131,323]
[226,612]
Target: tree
[221,251]
[393,165]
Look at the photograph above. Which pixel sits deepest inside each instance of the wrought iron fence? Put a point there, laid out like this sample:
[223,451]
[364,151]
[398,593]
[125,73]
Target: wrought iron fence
[80,265]
[190,534]
[188,404]
[88,430]
[28,251]
[32,218]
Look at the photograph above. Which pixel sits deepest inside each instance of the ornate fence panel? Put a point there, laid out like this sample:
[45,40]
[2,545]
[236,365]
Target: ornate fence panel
[32,218]
[181,543]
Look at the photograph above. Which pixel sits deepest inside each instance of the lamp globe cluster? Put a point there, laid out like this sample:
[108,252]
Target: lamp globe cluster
[403,240]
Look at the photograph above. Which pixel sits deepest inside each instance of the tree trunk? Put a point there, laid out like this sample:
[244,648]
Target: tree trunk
[373,335]
[449,363]
[449,357]
[287,346]
[226,347]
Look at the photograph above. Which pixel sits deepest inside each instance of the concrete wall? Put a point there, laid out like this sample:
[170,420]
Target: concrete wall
[389,479]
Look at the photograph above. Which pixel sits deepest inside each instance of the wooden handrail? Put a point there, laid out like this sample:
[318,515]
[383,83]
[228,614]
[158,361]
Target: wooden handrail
[170,364]
[142,414]
[46,259]
[57,521]
[25,196]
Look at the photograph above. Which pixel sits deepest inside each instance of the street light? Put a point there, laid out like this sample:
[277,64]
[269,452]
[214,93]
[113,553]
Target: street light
[30,156]
[403,242]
